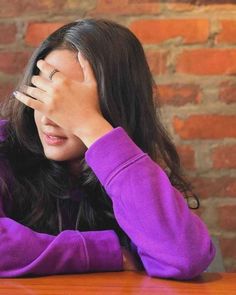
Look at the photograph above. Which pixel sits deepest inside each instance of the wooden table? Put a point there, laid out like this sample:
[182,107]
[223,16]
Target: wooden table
[118,283]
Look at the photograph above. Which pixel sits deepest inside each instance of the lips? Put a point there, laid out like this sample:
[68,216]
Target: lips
[54,135]
[53,139]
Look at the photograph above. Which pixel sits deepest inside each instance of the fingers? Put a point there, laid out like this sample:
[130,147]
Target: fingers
[87,69]
[28,101]
[35,93]
[42,83]
[47,69]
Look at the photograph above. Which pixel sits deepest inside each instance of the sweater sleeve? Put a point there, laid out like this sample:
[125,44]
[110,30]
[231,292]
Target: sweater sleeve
[171,240]
[25,252]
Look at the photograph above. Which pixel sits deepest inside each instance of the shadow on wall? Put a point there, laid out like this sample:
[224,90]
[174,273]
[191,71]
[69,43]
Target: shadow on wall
[217,264]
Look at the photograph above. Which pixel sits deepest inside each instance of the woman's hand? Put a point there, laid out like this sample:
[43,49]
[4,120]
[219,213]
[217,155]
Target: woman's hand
[71,104]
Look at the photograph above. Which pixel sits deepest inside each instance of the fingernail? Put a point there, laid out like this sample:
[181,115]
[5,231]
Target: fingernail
[15,93]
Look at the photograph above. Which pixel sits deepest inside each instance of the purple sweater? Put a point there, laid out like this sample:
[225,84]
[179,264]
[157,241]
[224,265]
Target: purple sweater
[171,241]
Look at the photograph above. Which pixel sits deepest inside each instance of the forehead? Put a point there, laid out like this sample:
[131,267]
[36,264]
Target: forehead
[65,61]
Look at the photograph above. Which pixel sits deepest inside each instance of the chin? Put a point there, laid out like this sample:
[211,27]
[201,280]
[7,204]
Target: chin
[55,157]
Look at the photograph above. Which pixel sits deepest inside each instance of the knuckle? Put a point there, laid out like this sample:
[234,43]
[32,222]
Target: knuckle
[56,87]
[63,81]
[43,67]
[55,90]
[59,84]
[29,103]
[31,91]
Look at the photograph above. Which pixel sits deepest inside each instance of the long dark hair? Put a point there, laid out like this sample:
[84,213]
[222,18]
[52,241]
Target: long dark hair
[127,99]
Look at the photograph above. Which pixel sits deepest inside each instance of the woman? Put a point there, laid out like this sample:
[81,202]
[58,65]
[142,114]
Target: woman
[81,148]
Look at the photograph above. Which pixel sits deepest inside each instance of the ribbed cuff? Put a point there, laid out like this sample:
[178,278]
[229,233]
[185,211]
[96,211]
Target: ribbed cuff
[104,251]
[111,152]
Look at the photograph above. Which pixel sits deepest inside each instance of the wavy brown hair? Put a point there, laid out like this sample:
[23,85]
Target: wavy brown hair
[125,88]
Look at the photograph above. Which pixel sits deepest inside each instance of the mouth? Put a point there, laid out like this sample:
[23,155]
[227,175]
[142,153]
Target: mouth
[51,139]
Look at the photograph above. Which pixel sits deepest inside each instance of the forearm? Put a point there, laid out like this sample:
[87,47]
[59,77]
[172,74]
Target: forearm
[171,240]
[25,252]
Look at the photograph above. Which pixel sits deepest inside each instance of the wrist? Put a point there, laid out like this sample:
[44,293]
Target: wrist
[97,128]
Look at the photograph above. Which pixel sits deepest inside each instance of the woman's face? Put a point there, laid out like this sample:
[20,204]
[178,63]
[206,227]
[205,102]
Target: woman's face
[59,144]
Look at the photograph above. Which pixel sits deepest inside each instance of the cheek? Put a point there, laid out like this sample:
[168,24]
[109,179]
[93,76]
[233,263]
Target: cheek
[76,147]
[37,118]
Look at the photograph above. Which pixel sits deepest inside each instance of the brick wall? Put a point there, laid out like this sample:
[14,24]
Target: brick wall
[191,49]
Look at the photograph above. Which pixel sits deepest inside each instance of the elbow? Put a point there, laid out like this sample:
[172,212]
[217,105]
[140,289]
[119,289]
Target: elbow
[182,267]
[193,266]
[200,262]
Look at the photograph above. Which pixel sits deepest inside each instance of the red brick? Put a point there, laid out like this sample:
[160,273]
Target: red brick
[8,33]
[178,94]
[214,187]
[157,61]
[217,5]
[224,157]
[228,247]
[207,61]
[13,62]
[200,211]
[231,268]
[37,32]
[227,217]
[156,31]
[228,32]
[227,7]
[5,89]
[227,92]
[126,7]
[180,6]
[21,7]
[187,156]
[205,126]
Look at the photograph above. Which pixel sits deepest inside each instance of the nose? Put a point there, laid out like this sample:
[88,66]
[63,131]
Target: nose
[46,121]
